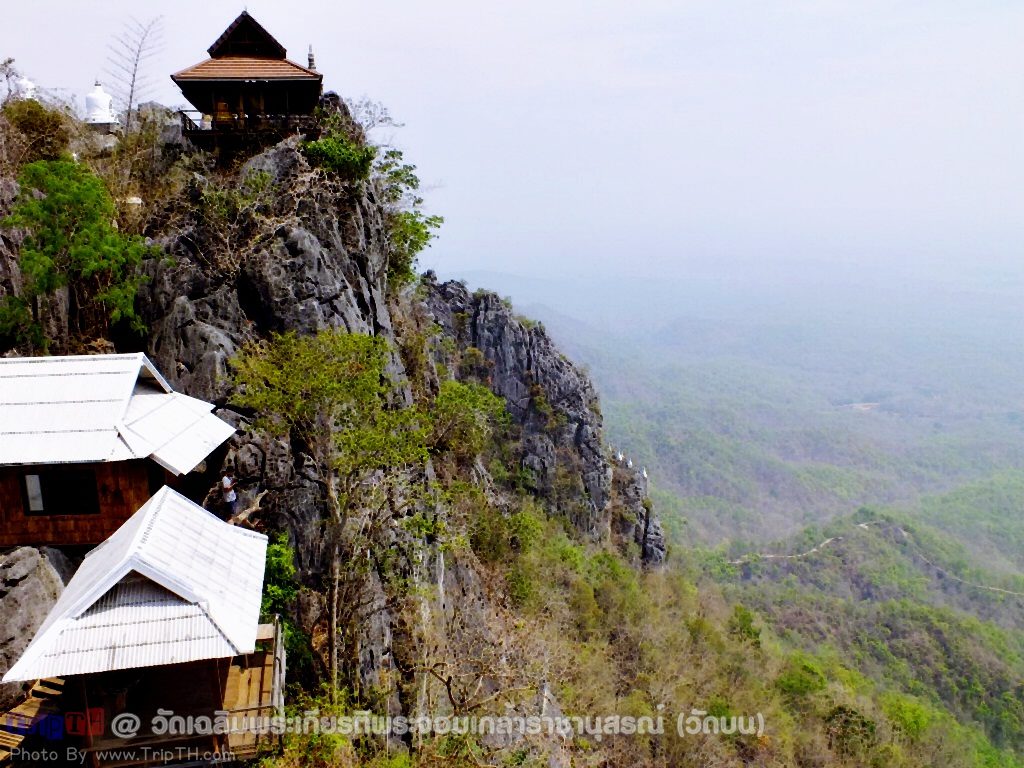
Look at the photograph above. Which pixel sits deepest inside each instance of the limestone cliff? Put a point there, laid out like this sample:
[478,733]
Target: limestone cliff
[558,408]
[314,255]
[306,251]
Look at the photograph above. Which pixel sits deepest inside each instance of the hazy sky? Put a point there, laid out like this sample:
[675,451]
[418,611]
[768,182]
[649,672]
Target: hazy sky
[651,137]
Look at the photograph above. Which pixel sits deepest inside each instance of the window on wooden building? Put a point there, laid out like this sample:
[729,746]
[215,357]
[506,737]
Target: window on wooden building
[61,491]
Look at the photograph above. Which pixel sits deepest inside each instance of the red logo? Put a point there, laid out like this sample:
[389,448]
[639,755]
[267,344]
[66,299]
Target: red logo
[82,723]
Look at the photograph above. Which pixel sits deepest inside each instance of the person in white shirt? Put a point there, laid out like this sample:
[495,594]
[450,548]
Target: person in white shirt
[228,483]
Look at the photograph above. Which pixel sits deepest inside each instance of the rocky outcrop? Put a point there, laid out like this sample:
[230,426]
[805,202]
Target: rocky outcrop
[653,547]
[308,253]
[549,397]
[31,580]
[632,513]
[312,254]
[557,409]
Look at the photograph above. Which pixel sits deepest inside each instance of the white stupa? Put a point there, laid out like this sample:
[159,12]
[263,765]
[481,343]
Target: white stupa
[99,111]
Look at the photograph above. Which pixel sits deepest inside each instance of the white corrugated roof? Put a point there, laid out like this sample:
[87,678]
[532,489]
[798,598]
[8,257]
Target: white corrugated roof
[87,408]
[171,585]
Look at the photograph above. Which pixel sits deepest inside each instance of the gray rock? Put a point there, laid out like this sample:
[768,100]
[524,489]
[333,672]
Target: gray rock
[547,395]
[633,516]
[557,407]
[31,580]
[313,255]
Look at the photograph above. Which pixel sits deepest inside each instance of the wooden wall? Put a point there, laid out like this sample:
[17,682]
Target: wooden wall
[122,488]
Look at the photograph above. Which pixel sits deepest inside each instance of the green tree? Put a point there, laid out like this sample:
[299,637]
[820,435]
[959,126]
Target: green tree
[280,588]
[801,677]
[341,149]
[329,394]
[741,626]
[464,419]
[279,584]
[71,243]
[45,130]
[910,716]
[408,234]
[410,230]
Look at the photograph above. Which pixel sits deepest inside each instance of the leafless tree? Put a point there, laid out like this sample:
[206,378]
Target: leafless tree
[136,44]
[10,76]
[371,114]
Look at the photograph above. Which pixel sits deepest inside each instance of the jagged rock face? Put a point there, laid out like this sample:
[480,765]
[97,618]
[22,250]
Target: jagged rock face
[31,580]
[557,407]
[310,256]
[632,517]
[653,547]
[313,255]
[547,395]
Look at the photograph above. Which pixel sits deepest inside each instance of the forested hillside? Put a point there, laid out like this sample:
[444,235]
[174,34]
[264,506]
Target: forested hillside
[853,479]
[761,409]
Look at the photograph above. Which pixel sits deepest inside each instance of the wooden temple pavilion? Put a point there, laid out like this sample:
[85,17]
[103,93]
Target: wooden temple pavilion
[247,89]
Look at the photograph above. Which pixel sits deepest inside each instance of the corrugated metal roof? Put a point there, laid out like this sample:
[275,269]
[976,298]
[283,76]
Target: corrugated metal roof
[246,68]
[89,408]
[171,585]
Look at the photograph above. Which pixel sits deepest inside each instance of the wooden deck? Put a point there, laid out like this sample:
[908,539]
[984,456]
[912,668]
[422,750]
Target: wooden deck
[250,693]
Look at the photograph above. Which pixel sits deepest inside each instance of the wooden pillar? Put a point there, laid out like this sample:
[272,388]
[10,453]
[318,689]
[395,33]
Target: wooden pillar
[218,703]
[94,760]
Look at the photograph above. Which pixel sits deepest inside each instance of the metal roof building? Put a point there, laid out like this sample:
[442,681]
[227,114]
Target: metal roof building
[101,408]
[173,584]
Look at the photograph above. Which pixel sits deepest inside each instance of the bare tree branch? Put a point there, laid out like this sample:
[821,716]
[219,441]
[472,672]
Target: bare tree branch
[10,75]
[130,50]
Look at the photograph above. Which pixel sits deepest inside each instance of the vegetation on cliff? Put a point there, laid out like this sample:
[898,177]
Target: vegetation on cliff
[66,215]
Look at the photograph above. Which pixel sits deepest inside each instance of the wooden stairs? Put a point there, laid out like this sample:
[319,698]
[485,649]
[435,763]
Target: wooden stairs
[15,723]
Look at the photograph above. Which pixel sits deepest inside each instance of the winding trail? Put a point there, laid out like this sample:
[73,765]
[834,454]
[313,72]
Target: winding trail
[769,556]
[905,534]
[946,574]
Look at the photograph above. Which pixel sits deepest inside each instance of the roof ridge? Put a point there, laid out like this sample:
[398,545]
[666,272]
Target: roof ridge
[142,535]
[127,397]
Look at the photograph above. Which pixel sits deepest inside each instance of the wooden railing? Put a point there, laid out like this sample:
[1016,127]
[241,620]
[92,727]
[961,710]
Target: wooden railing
[194,123]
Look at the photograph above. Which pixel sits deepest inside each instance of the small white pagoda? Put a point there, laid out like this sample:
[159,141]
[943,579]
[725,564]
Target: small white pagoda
[99,111]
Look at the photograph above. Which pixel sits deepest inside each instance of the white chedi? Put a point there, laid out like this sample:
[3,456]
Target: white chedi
[99,107]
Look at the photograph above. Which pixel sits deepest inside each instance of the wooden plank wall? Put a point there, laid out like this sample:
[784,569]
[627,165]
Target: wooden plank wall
[122,487]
